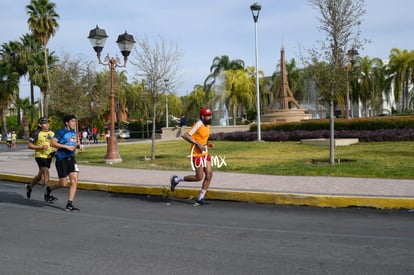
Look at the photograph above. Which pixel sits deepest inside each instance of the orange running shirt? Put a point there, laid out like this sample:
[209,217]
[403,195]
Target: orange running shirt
[199,133]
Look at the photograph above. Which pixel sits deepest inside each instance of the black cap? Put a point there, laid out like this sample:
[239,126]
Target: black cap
[43,120]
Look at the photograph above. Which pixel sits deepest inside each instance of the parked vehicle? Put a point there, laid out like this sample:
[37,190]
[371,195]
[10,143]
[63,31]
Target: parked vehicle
[122,133]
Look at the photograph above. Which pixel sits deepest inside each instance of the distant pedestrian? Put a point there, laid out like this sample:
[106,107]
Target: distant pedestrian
[95,134]
[85,139]
[66,142]
[40,142]
[183,121]
[9,138]
[107,135]
[14,139]
[198,137]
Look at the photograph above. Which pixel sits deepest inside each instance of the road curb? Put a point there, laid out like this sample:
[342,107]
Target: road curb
[332,201]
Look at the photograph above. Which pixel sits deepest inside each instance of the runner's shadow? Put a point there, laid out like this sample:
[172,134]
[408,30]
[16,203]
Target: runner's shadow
[14,198]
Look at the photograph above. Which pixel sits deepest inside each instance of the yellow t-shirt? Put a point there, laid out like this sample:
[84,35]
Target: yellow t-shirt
[200,134]
[40,138]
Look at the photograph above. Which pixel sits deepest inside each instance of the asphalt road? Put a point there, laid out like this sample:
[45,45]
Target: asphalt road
[130,234]
[5,148]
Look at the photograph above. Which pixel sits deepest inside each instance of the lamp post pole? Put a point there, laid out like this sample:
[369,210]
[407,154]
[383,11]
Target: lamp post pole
[126,43]
[166,101]
[255,8]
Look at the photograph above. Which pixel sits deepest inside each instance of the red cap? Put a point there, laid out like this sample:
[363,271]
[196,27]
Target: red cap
[205,112]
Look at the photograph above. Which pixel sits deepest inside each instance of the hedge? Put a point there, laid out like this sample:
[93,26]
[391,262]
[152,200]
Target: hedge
[394,128]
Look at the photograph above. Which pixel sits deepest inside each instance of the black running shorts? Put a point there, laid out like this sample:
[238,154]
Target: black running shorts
[43,162]
[66,166]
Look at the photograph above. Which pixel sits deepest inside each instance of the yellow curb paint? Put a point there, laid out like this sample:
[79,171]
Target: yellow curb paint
[248,196]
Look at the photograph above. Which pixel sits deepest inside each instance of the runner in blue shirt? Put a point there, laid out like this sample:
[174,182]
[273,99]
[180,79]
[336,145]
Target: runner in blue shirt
[66,141]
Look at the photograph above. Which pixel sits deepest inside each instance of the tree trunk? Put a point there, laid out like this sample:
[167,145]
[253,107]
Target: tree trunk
[26,130]
[45,104]
[31,100]
[3,120]
[405,92]
[332,132]
[46,92]
[153,133]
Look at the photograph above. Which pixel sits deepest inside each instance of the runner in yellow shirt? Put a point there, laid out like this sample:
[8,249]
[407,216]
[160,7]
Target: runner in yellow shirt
[14,139]
[40,142]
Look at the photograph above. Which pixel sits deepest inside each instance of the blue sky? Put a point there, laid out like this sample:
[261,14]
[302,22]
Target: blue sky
[203,30]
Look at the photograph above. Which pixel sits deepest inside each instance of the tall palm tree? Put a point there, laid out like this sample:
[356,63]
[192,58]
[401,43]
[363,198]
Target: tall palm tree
[11,53]
[368,82]
[43,24]
[38,77]
[9,85]
[142,107]
[381,85]
[30,48]
[197,99]
[240,95]
[220,64]
[401,66]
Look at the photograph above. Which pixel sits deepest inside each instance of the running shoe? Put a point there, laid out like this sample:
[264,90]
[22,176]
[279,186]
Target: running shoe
[71,208]
[200,202]
[173,182]
[51,199]
[28,191]
[46,193]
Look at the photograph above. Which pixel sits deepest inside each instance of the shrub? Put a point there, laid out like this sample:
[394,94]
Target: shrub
[395,128]
[372,123]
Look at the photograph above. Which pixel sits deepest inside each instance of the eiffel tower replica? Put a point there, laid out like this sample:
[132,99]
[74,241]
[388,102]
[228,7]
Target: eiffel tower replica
[284,107]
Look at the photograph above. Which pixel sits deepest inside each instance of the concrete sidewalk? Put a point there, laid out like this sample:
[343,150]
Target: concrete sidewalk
[19,166]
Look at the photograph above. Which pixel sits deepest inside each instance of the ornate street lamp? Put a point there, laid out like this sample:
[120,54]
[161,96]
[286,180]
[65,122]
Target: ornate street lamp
[255,8]
[125,42]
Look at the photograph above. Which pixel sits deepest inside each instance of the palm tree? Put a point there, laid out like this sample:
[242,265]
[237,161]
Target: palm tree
[219,65]
[401,66]
[142,107]
[39,78]
[368,82]
[9,85]
[11,53]
[197,99]
[43,24]
[30,47]
[240,92]
[27,109]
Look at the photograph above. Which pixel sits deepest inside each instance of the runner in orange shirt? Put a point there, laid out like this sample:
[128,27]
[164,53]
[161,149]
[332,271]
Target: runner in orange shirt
[198,136]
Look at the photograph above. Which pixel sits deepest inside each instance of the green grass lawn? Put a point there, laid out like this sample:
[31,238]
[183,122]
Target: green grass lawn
[370,160]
